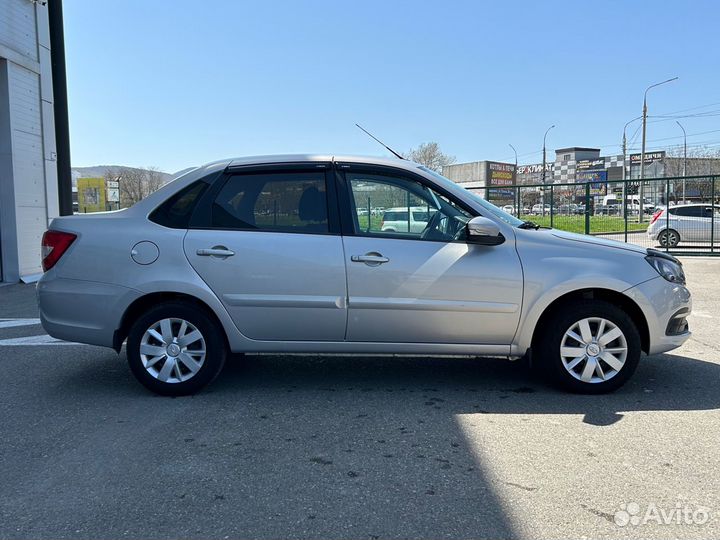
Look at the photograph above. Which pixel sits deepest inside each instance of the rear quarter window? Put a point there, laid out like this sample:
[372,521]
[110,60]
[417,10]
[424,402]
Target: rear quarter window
[176,212]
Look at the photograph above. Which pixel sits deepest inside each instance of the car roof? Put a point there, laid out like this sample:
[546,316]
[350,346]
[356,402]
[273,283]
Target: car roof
[300,158]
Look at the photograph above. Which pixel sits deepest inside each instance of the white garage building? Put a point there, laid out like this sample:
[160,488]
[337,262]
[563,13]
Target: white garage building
[28,168]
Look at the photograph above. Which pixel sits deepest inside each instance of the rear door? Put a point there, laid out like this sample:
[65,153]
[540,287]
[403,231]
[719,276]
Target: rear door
[692,224]
[426,286]
[267,242]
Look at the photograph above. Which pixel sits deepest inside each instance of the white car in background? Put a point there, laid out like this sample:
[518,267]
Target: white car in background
[403,219]
[538,209]
[685,223]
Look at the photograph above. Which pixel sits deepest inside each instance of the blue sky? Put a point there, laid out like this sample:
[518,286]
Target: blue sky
[177,83]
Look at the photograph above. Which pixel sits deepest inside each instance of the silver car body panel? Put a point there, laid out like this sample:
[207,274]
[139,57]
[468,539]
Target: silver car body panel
[430,298]
[433,292]
[277,286]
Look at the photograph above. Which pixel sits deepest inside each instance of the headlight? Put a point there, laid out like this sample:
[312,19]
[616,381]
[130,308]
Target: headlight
[666,265]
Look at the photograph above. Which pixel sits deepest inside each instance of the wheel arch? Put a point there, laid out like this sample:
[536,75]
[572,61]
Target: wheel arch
[614,297]
[149,300]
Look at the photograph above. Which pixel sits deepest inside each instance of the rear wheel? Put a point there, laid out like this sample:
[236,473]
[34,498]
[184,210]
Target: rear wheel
[175,349]
[669,238]
[589,347]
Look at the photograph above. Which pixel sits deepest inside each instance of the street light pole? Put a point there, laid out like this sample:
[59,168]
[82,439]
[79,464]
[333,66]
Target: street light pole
[642,152]
[684,157]
[543,170]
[625,164]
[517,189]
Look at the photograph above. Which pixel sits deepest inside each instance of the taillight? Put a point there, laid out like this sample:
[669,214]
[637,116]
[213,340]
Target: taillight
[54,245]
[655,217]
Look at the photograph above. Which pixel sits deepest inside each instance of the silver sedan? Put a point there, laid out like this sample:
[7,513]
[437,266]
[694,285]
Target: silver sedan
[270,255]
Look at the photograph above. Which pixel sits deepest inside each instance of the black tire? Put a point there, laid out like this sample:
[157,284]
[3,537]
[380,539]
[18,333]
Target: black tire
[215,348]
[553,330]
[669,238]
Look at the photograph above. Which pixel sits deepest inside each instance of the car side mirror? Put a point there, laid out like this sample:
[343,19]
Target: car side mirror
[484,231]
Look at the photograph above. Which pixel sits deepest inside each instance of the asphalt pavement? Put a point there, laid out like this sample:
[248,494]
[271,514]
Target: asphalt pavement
[356,447]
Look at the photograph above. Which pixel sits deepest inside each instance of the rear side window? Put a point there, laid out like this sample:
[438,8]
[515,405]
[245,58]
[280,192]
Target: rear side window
[289,202]
[688,211]
[177,210]
[396,216]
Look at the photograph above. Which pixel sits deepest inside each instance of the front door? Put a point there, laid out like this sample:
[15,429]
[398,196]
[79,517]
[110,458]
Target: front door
[273,255]
[427,286]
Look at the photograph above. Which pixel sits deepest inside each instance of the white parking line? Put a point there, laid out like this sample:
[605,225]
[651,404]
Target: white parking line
[42,339]
[12,323]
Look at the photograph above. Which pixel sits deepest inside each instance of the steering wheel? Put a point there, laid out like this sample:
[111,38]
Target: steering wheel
[432,225]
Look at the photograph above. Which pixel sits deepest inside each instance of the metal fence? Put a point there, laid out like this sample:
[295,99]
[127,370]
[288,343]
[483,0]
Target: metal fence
[680,214]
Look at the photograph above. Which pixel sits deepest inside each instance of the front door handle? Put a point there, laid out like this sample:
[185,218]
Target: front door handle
[371,259]
[215,251]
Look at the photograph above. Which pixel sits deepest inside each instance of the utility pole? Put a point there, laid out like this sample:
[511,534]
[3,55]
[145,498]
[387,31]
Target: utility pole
[642,152]
[684,159]
[543,170]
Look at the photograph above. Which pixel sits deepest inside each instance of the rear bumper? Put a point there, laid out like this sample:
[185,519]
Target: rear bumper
[662,302]
[82,311]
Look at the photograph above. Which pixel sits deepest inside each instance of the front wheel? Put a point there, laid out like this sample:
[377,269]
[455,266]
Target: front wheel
[590,347]
[175,349]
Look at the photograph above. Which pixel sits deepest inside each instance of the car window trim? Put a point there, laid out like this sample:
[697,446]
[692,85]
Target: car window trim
[347,207]
[202,216]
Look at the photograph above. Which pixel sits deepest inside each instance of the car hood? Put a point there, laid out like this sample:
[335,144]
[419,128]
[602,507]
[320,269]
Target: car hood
[597,240]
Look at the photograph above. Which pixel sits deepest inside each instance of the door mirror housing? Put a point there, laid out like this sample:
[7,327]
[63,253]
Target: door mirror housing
[484,231]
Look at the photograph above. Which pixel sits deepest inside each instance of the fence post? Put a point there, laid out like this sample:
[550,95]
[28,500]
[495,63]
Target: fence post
[667,213]
[587,208]
[552,205]
[624,206]
[370,215]
[712,219]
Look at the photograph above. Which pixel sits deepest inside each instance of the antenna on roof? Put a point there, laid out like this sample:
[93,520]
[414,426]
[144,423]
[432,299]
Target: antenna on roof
[399,156]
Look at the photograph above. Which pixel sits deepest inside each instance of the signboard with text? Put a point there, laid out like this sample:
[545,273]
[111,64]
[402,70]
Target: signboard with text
[650,157]
[498,175]
[597,180]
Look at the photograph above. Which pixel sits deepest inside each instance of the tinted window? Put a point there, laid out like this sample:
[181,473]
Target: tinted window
[177,210]
[688,211]
[291,202]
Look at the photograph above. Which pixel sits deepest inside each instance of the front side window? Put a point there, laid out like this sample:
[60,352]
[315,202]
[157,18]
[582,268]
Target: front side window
[392,205]
[289,202]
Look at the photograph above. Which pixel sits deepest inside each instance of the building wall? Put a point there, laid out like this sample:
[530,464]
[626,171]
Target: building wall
[28,172]
[469,175]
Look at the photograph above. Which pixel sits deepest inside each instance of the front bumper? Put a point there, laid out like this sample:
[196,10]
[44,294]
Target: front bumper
[663,303]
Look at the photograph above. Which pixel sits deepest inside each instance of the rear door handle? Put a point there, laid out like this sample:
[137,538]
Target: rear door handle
[215,251]
[371,259]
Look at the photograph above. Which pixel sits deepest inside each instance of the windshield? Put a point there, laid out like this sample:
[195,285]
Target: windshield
[488,207]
